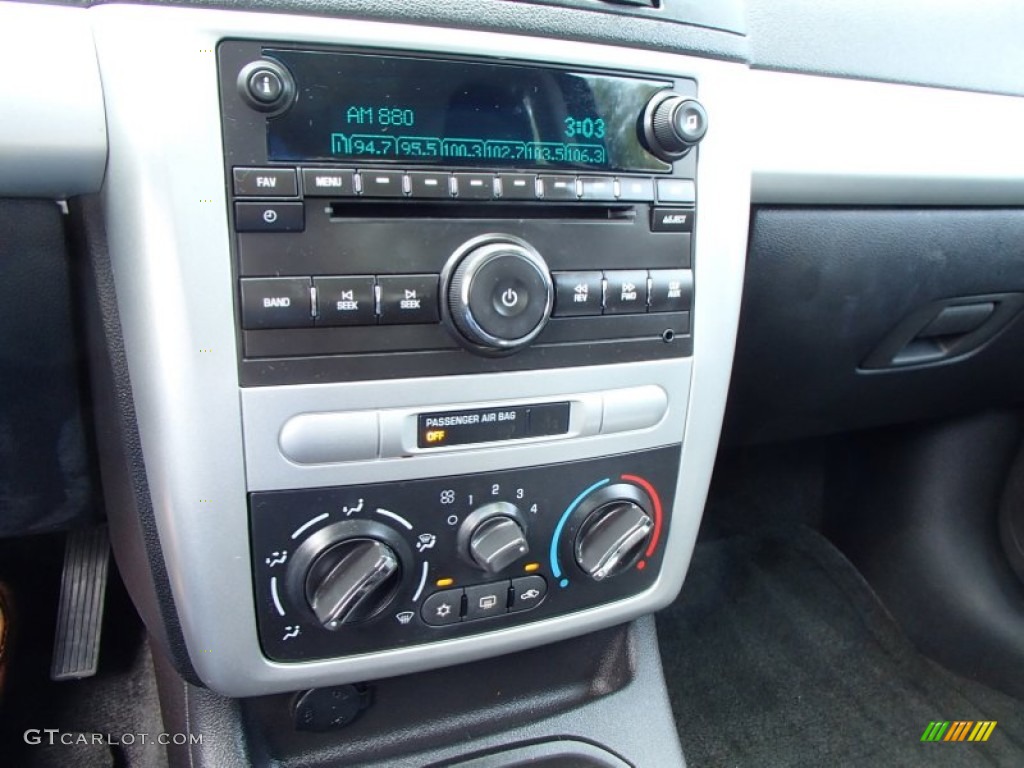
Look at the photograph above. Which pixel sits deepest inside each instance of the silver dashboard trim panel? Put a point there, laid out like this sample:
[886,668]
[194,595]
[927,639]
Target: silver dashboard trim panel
[167,223]
[318,444]
[53,134]
[855,142]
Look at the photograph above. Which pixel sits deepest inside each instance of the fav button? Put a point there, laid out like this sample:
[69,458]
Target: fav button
[528,592]
[443,608]
[276,302]
[408,299]
[344,300]
[486,600]
[627,292]
[265,182]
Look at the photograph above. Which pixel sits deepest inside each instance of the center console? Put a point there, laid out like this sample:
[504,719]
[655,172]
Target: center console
[400,216]
[428,335]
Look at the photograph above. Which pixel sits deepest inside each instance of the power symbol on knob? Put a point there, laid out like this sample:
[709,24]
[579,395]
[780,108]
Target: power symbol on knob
[509,298]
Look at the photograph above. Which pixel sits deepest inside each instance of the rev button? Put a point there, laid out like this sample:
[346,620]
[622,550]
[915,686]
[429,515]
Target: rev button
[577,294]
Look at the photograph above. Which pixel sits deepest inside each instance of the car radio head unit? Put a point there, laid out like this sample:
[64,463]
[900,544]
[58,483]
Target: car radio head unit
[413,215]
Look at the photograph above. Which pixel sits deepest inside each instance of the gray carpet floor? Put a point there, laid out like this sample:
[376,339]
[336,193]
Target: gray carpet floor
[778,653]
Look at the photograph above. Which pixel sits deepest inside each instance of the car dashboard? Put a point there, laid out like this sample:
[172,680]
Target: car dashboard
[411,327]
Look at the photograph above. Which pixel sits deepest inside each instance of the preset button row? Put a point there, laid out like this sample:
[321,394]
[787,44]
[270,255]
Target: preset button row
[426,185]
[622,292]
[303,302]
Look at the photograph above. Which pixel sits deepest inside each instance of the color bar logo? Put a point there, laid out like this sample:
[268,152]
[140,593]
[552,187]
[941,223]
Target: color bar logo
[958,730]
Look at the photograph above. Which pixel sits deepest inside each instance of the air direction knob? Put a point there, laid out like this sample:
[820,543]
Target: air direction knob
[351,580]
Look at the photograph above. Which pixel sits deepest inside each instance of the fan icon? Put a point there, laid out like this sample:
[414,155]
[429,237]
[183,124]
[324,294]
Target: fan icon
[443,610]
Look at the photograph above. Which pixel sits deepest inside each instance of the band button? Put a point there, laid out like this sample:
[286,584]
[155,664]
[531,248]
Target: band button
[276,302]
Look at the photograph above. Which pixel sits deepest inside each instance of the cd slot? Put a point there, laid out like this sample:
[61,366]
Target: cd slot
[463,210]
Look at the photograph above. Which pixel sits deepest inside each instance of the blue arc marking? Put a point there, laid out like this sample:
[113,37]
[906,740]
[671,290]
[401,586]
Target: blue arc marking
[555,568]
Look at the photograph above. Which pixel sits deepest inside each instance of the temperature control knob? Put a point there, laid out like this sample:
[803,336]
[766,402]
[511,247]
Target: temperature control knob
[673,124]
[499,294]
[494,536]
[613,536]
[352,580]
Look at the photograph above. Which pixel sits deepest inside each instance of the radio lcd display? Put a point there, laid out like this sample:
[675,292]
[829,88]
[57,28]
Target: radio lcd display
[359,108]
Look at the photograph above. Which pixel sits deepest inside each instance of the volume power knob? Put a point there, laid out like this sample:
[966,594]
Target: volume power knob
[499,294]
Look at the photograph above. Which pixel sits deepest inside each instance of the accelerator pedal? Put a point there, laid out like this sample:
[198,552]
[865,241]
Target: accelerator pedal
[83,590]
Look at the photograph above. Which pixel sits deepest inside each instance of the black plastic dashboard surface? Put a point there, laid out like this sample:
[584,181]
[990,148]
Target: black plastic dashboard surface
[825,286]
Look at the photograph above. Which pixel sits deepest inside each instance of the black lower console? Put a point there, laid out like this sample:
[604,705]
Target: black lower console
[351,570]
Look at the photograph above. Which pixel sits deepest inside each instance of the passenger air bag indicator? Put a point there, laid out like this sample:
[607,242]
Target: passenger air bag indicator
[485,425]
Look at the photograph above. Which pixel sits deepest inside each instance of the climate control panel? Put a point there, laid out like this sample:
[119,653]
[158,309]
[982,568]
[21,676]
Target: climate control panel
[341,571]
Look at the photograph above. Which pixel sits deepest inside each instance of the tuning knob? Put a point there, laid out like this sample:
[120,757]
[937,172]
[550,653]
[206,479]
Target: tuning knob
[673,124]
[351,580]
[499,294]
[614,534]
[493,536]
